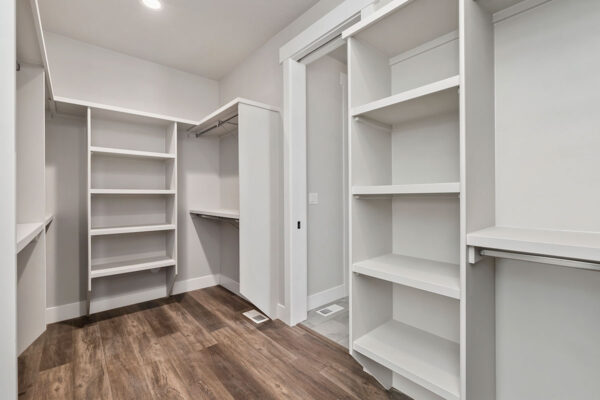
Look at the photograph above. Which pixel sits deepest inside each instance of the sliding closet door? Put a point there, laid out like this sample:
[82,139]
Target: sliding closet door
[259,195]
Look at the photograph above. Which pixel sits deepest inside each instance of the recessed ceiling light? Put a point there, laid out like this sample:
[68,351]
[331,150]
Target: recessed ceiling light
[153,4]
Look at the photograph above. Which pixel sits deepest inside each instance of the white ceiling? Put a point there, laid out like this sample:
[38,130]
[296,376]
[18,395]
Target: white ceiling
[205,37]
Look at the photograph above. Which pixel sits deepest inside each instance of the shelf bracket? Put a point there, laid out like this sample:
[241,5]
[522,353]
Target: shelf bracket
[474,255]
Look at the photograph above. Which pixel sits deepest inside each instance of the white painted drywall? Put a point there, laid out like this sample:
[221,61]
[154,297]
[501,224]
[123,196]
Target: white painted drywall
[89,73]
[547,92]
[8,283]
[325,175]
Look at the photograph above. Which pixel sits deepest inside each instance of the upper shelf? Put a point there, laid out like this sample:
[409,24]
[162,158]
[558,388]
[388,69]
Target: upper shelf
[27,232]
[116,230]
[564,244]
[432,99]
[402,25]
[228,112]
[425,188]
[130,153]
[217,213]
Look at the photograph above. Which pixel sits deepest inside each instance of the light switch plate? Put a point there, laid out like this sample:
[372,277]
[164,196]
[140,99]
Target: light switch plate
[313,198]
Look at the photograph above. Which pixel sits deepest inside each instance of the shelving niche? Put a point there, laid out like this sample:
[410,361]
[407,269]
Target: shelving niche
[132,195]
[405,196]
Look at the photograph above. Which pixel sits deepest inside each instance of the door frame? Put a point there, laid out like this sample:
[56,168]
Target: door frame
[294,55]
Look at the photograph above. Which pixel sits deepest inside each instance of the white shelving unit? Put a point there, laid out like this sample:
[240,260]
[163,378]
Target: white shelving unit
[405,205]
[132,196]
[30,248]
[248,137]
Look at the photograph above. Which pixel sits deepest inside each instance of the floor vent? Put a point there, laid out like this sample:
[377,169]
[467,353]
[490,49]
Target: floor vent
[255,316]
[331,309]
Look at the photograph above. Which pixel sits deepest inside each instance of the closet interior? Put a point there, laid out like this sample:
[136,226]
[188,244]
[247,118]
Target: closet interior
[457,167]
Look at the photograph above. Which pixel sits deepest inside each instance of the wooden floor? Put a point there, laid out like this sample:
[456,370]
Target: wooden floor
[191,346]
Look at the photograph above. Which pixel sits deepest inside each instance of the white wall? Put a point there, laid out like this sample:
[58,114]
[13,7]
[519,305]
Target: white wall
[547,167]
[325,174]
[260,77]
[8,283]
[90,73]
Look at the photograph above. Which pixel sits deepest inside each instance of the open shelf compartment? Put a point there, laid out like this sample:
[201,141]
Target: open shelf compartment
[123,267]
[429,275]
[426,359]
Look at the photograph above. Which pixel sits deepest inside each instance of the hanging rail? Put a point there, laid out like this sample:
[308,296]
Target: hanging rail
[562,262]
[218,124]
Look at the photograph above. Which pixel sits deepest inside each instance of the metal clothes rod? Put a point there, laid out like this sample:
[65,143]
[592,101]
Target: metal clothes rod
[563,262]
[217,125]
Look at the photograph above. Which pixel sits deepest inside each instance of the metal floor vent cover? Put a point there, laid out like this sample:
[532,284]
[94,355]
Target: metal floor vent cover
[256,317]
[331,309]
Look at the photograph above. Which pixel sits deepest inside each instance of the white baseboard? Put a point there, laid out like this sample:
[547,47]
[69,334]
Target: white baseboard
[78,309]
[326,296]
[230,284]
[282,313]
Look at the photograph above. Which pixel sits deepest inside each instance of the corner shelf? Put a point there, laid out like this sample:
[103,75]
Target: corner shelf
[432,276]
[218,213]
[432,99]
[130,153]
[554,243]
[26,233]
[125,267]
[426,188]
[424,358]
[132,191]
[131,229]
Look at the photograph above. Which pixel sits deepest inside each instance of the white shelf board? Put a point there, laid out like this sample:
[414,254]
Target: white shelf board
[401,25]
[432,276]
[225,112]
[426,188]
[221,213]
[554,243]
[130,153]
[131,191]
[131,229]
[27,232]
[48,219]
[124,267]
[431,99]
[426,359]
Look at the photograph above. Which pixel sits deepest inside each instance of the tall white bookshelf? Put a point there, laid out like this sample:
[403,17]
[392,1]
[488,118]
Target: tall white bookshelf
[132,196]
[405,200]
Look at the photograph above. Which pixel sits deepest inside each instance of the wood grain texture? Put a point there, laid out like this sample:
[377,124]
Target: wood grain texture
[192,346]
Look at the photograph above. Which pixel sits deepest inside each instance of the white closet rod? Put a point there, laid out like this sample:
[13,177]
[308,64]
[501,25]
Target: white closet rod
[563,262]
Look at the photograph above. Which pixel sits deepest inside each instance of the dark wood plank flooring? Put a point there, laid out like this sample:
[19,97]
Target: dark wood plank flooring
[191,346]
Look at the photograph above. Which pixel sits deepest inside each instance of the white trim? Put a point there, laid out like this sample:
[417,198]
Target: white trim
[294,191]
[124,110]
[322,31]
[230,284]
[374,17]
[78,309]
[425,47]
[517,9]
[327,296]
[282,313]
[35,9]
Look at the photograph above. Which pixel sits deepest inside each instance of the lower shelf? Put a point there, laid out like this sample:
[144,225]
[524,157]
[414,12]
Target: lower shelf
[26,233]
[432,276]
[125,267]
[426,359]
